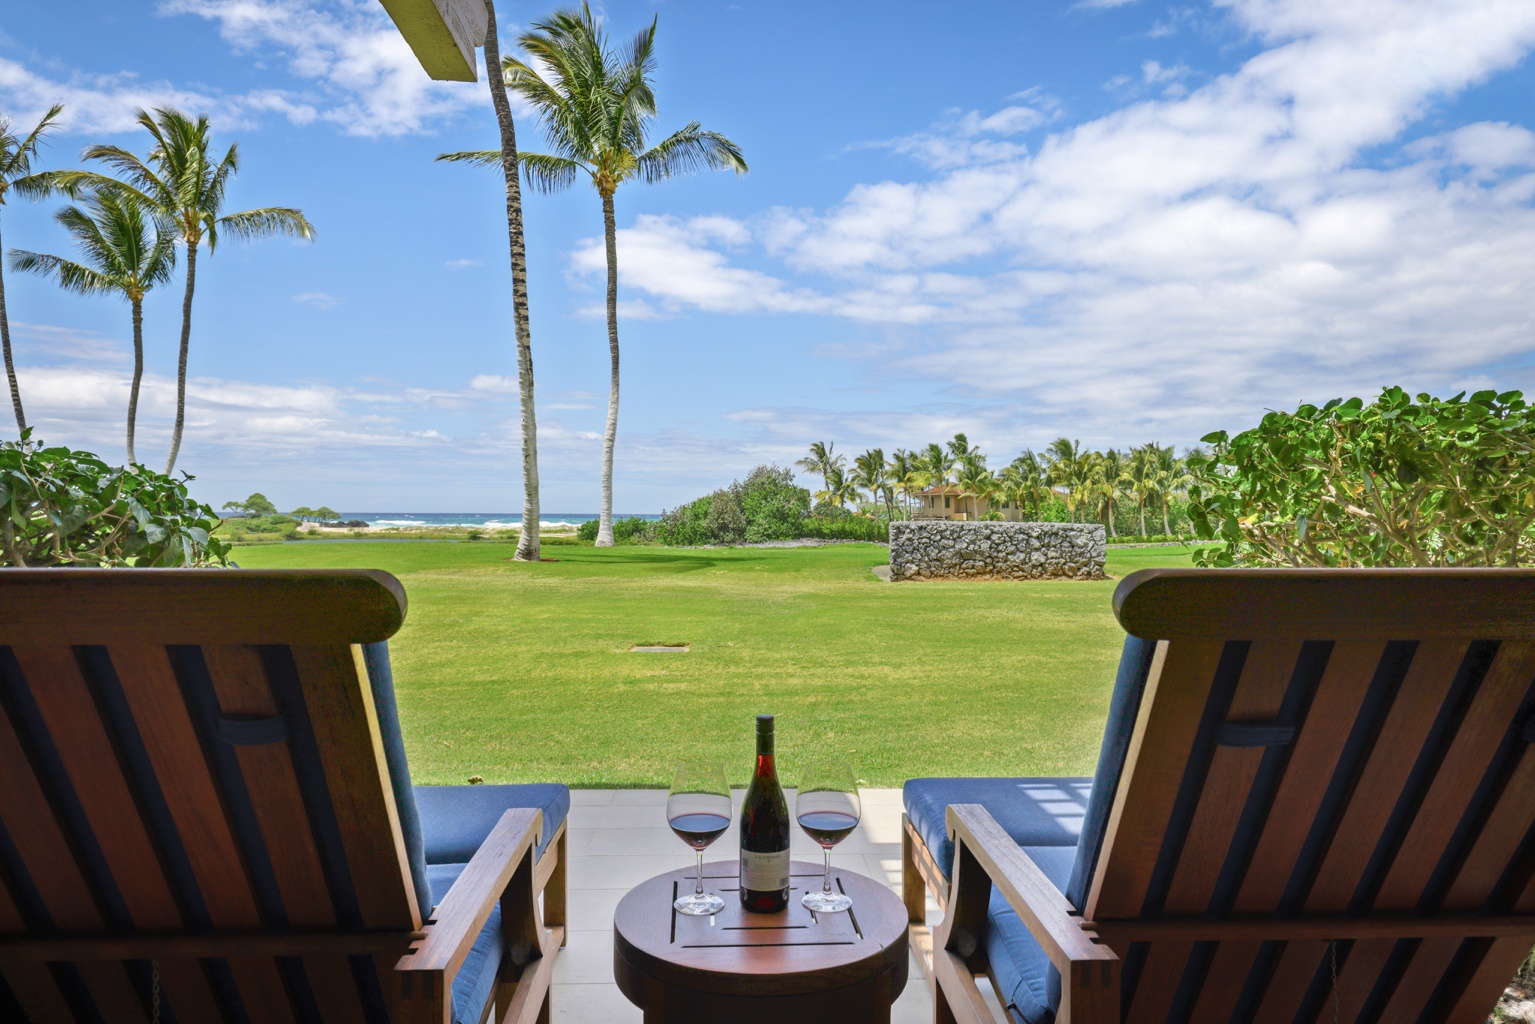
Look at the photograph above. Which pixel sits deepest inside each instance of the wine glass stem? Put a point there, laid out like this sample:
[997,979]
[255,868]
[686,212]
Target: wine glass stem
[826,879]
[698,889]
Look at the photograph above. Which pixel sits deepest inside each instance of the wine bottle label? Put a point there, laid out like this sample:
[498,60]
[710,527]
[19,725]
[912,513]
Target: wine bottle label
[764,872]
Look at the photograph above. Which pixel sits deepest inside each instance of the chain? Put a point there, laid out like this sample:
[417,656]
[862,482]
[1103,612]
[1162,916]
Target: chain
[154,1015]
[1332,945]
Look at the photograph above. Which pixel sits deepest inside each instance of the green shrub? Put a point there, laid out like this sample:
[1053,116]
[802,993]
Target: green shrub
[1427,482]
[774,508]
[633,530]
[848,527]
[63,507]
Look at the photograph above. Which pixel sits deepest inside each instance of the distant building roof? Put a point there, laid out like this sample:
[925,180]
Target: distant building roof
[944,489]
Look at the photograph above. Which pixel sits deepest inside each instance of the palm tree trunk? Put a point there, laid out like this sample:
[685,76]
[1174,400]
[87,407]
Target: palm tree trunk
[181,365]
[605,518]
[527,541]
[10,368]
[1166,529]
[138,373]
[1143,516]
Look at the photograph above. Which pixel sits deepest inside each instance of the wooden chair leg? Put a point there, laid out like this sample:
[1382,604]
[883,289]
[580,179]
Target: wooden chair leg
[555,888]
[913,888]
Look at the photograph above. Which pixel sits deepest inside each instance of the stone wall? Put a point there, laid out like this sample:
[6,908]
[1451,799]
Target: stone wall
[941,549]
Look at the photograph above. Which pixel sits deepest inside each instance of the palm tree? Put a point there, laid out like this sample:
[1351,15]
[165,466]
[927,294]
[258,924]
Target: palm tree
[869,473]
[1034,478]
[840,489]
[125,253]
[16,153]
[906,474]
[975,480]
[961,448]
[597,107]
[1109,481]
[1173,477]
[184,187]
[1141,478]
[937,463]
[821,459]
[1066,470]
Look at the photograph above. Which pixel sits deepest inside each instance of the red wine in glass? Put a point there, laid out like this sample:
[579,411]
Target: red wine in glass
[828,828]
[827,808]
[698,810]
[699,830]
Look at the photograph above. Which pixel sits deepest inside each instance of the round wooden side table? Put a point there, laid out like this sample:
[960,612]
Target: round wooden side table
[743,968]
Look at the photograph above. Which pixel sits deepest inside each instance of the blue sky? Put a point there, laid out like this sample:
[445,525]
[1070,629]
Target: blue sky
[1118,221]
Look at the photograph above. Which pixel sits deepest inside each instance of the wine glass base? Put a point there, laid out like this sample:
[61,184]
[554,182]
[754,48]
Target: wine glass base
[703,904]
[826,902]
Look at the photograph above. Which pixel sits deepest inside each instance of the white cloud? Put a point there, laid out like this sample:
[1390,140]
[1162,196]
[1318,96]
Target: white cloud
[963,138]
[1101,4]
[493,384]
[463,264]
[369,81]
[319,300]
[70,343]
[97,103]
[1191,258]
[670,258]
[350,66]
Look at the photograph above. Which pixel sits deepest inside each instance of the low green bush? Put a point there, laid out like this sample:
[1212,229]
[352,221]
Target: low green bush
[633,530]
[848,527]
[1401,481]
[60,507]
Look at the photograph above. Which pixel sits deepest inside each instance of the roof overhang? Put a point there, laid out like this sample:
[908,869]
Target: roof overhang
[443,34]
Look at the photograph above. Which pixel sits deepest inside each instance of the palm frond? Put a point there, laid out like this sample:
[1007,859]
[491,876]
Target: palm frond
[16,154]
[687,151]
[265,222]
[218,181]
[549,173]
[70,276]
[478,157]
[132,173]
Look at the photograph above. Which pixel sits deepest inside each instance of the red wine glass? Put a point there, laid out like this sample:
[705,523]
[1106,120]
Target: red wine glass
[827,808]
[698,810]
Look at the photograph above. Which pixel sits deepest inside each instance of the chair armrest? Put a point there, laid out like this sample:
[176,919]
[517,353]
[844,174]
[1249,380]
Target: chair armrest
[981,842]
[462,914]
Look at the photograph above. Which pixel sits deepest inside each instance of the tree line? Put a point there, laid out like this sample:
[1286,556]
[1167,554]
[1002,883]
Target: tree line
[259,505]
[130,226]
[1089,484]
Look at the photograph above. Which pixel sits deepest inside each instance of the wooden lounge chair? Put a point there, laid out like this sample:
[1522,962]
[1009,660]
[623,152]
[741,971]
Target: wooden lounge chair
[206,815]
[1315,802]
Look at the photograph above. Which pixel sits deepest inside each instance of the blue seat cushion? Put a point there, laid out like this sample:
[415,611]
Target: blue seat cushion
[1027,983]
[445,824]
[476,977]
[456,819]
[1035,812]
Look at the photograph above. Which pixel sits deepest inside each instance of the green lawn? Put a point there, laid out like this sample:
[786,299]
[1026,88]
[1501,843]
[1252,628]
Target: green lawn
[523,673]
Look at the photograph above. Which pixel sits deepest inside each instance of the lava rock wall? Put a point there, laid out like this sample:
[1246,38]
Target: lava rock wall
[937,549]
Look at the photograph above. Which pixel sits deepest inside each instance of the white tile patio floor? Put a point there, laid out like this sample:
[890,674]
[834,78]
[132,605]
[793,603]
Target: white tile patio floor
[619,838]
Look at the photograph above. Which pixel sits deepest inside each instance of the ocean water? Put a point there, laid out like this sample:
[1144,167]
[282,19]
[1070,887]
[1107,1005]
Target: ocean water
[482,520]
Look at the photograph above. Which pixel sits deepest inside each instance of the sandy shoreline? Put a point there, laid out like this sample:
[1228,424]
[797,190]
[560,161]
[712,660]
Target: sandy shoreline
[549,528]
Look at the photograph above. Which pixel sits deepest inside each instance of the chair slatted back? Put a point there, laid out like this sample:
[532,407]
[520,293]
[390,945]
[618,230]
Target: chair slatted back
[1343,745]
[193,789]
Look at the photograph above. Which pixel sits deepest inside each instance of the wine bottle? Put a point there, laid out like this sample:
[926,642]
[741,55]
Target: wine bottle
[764,832]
